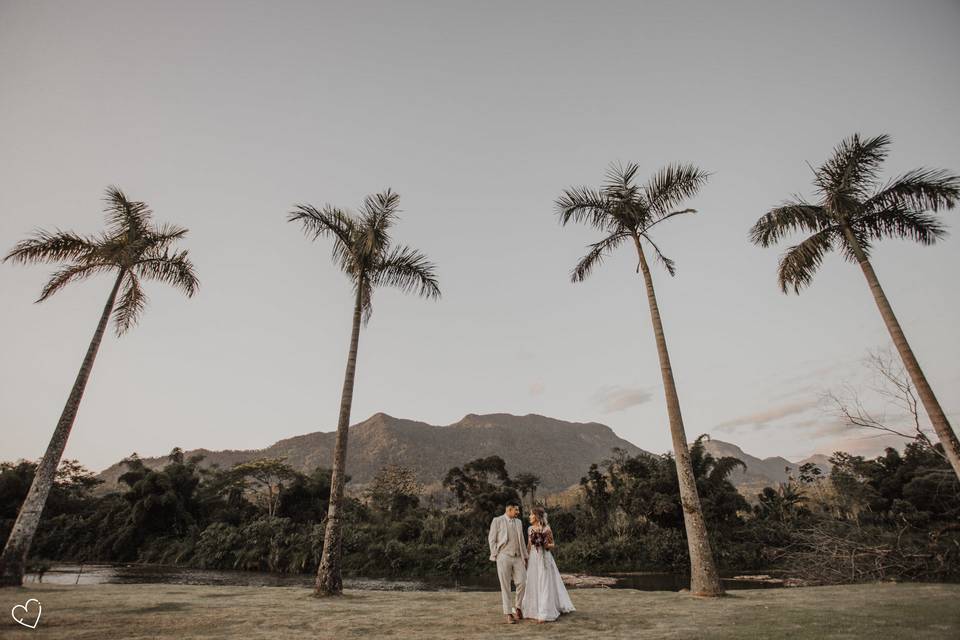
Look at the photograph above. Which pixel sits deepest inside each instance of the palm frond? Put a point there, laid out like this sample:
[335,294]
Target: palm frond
[69,274]
[380,212]
[408,270]
[667,263]
[902,223]
[324,223]
[854,167]
[362,248]
[853,213]
[125,215]
[595,256]
[382,209]
[366,296]
[790,217]
[622,210]
[130,305]
[800,262]
[52,246]
[175,269]
[131,243]
[671,185]
[723,467]
[162,237]
[700,458]
[864,243]
[584,205]
[672,214]
[920,190]
[619,181]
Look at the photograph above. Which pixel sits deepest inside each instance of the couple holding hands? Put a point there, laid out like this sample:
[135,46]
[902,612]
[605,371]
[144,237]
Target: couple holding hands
[540,592]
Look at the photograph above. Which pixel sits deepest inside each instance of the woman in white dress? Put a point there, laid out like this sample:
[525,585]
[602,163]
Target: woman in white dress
[545,596]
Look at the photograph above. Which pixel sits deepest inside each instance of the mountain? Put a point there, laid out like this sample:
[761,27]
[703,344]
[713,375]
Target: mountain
[764,472]
[559,452]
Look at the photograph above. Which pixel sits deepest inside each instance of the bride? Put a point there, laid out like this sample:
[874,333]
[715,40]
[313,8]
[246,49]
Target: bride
[545,597]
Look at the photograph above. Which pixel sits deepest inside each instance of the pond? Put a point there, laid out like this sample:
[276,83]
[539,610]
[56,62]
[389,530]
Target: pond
[163,574]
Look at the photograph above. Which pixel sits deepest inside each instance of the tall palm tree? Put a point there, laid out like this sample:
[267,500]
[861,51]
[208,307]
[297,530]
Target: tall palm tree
[132,248]
[854,210]
[625,212]
[363,250]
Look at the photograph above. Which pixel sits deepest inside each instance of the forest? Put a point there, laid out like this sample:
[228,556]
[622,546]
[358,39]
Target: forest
[894,517]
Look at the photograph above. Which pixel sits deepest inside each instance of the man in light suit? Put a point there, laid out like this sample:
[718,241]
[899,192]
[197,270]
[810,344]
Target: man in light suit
[509,551]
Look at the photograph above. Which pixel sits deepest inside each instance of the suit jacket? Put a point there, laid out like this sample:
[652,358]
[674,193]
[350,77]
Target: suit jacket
[500,529]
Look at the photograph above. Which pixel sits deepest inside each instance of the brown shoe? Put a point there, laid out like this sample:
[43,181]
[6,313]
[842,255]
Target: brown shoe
[519,614]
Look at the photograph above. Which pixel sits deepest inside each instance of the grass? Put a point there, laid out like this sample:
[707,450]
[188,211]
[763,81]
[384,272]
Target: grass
[108,612]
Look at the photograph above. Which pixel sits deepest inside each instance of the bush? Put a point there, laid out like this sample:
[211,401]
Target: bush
[217,547]
[469,556]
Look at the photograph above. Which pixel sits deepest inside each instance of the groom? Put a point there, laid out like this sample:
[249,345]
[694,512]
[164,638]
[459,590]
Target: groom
[509,551]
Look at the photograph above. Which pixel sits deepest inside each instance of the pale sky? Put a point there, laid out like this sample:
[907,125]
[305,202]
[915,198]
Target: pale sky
[222,115]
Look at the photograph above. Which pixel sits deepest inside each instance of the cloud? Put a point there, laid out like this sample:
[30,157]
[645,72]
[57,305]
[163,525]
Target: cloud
[813,379]
[867,445]
[537,388]
[762,419]
[830,428]
[613,398]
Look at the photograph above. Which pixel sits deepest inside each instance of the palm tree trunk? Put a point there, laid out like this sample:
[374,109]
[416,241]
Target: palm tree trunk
[329,579]
[14,559]
[704,579]
[951,446]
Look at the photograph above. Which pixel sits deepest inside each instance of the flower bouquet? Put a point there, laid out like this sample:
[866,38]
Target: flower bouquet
[538,539]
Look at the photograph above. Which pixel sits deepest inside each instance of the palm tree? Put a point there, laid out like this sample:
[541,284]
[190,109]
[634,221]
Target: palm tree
[853,211]
[363,250]
[709,469]
[625,212]
[133,249]
[526,484]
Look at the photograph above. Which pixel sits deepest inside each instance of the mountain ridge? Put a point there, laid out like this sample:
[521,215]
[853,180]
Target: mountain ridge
[564,450]
[762,472]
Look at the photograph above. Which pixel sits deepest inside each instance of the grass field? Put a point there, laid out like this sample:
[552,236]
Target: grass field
[108,612]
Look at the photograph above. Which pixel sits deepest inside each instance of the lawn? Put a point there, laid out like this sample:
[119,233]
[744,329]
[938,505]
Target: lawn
[106,612]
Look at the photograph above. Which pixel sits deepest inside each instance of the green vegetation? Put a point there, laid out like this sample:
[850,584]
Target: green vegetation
[893,517]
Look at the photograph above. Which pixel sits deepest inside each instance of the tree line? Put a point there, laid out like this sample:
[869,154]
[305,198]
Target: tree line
[853,209]
[891,517]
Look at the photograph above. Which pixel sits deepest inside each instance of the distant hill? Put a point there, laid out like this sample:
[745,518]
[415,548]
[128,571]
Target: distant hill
[764,472]
[559,452]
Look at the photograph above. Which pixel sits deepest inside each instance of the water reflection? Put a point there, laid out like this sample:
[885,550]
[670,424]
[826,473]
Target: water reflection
[160,574]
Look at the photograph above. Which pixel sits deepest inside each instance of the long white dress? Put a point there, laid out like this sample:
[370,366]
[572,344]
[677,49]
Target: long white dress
[545,596]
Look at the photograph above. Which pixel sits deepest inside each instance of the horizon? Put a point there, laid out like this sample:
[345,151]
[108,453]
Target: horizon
[479,117]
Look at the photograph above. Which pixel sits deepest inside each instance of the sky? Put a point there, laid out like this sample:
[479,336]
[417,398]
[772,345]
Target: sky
[224,115]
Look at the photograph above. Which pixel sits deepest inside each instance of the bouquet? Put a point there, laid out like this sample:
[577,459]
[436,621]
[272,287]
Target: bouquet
[538,539]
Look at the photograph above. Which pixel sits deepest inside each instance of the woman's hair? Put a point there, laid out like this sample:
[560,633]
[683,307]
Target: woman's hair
[541,516]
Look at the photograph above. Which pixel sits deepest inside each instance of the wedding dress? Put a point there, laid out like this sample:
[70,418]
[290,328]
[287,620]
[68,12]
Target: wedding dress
[545,596]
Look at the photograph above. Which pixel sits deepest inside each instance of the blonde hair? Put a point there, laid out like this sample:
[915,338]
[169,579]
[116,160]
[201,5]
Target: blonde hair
[541,516]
